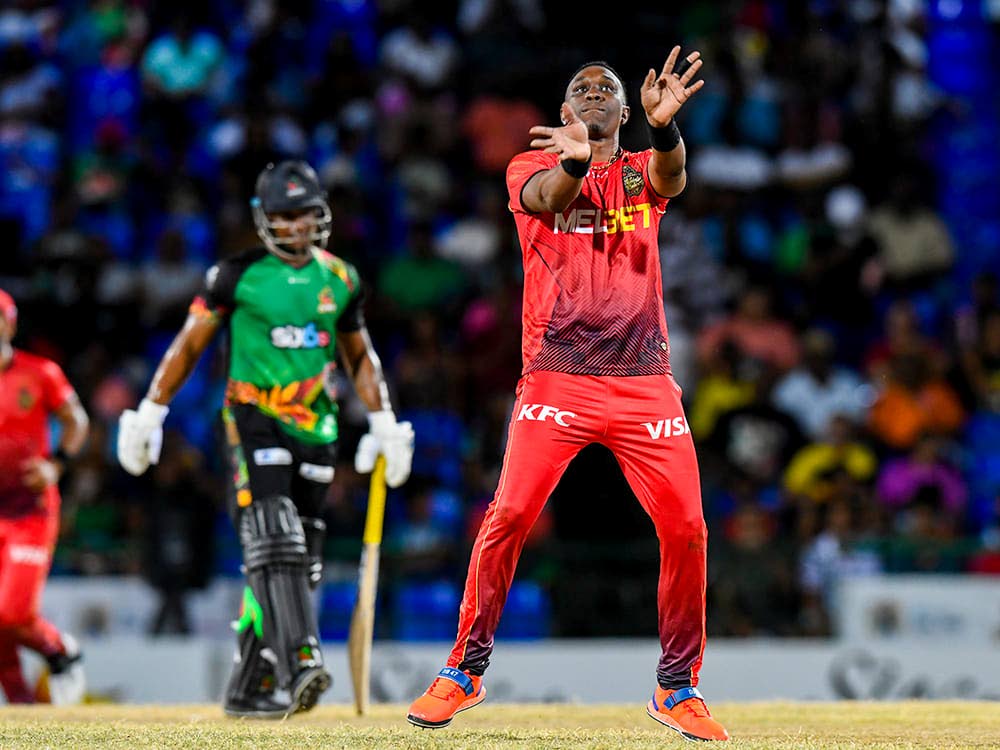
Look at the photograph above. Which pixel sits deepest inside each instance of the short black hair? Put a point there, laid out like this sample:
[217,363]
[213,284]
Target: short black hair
[603,64]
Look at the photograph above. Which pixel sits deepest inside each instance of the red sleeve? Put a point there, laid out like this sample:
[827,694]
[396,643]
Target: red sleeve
[522,168]
[55,386]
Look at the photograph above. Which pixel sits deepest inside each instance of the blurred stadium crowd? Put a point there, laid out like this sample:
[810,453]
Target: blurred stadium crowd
[833,319]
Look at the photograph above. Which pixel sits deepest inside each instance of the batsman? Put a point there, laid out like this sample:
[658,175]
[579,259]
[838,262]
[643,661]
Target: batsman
[290,306]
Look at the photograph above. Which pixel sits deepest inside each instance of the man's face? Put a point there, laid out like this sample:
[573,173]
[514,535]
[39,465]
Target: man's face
[296,228]
[595,95]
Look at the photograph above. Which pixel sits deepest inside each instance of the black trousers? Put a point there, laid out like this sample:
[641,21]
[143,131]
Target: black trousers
[264,460]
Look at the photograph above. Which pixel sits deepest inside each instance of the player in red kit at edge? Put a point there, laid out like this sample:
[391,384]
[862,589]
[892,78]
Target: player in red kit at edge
[31,390]
[596,370]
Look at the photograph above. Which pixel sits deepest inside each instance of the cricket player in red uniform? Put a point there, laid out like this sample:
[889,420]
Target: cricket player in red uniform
[596,370]
[31,390]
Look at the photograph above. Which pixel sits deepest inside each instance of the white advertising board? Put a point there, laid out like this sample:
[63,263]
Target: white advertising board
[193,670]
[953,608]
[945,645]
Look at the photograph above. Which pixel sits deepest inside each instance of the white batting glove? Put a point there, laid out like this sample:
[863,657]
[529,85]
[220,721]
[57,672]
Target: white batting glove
[392,439]
[140,436]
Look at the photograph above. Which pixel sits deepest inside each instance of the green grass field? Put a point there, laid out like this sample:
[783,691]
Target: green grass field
[774,726]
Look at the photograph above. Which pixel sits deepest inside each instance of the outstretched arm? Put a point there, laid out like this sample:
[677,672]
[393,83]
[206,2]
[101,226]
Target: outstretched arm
[140,432]
[662,97]
[555,189]
[182,356]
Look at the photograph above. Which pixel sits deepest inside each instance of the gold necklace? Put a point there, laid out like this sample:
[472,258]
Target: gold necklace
[608,163]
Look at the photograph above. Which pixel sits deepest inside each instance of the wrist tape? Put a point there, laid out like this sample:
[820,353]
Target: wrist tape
[576,169]
[666,138]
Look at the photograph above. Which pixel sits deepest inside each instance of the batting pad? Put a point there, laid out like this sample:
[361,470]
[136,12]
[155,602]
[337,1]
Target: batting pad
[276,558]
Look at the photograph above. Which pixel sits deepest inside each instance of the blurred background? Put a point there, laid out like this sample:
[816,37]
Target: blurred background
[830,281]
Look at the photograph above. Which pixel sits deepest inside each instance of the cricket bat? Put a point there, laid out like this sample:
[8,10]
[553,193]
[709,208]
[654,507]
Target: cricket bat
[359,641]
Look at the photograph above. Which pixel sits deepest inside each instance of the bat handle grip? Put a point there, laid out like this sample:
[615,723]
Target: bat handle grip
[376,504]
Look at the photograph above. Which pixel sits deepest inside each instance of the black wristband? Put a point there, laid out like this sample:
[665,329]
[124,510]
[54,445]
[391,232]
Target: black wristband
[576,169]
[62,456]
[665,138]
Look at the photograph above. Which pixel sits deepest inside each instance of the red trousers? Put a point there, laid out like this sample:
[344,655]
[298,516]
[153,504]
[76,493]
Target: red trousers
[641,420]
[26,545]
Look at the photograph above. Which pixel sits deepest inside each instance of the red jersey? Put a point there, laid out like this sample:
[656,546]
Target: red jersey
[593,296]
[31,388]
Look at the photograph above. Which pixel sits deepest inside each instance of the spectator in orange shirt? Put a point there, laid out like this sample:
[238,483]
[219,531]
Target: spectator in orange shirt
[914,401]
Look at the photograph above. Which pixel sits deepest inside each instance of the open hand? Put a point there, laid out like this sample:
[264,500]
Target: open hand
[571,141]
[664,95]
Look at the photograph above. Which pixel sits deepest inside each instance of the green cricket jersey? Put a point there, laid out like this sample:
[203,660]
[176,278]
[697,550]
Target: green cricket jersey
[283,323]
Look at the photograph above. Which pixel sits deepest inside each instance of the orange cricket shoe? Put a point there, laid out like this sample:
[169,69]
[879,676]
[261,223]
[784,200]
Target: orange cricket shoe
[685,712]
[452,691]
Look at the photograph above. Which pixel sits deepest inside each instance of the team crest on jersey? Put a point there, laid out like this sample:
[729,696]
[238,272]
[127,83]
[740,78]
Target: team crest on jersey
[632,180]
[326,301]
[24,399]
